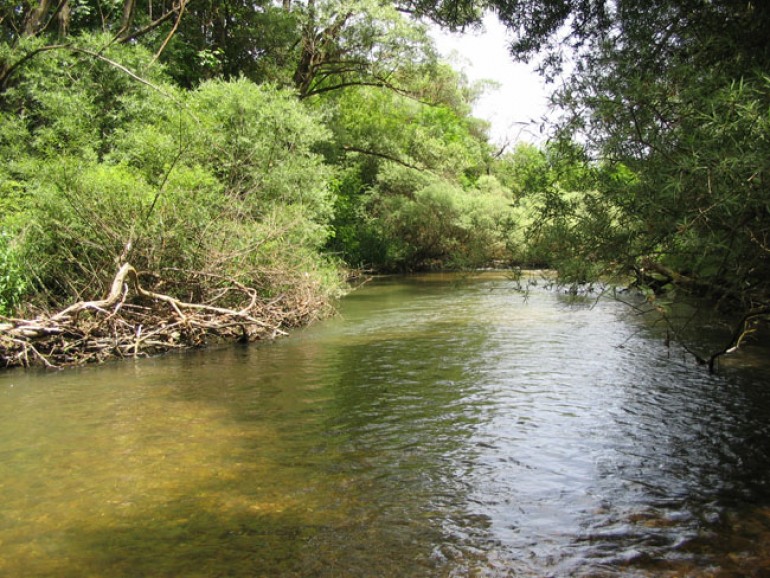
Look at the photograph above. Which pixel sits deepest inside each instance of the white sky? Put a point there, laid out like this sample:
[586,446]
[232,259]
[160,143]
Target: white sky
[517,107]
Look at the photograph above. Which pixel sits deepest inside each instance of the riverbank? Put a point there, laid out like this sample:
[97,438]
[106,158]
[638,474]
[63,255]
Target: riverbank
[134,321]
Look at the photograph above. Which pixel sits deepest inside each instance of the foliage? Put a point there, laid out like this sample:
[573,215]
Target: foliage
[454,14]
[687,119]
[173,137]
[314,46]
[232,38]
[435,224]
[220,181]
[419,159]
[13,282]
[355,43]
[259,141]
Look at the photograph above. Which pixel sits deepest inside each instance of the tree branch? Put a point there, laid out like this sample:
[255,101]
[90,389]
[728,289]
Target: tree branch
[117,328]
[123,38]
[182,5]
[385,156]
[741,331]
[6,73]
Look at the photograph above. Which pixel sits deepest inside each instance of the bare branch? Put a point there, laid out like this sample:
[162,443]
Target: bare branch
[95,330]
[182,5]
[386,156]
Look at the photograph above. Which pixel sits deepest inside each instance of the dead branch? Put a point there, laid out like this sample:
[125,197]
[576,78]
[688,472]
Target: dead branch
[741,331]
[92,331]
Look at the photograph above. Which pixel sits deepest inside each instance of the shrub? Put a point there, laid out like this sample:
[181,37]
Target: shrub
[217,182]
[13,281]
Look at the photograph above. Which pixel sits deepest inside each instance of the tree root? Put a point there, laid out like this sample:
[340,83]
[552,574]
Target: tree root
[132,321]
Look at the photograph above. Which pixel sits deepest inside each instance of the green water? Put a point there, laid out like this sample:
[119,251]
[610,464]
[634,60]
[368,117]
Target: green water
[439,426]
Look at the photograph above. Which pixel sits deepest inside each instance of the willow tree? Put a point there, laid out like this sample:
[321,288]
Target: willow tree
[670,98]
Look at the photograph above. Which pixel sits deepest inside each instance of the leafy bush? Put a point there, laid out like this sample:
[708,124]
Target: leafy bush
[443,225]
[13,282]
[217,182]
[259,141]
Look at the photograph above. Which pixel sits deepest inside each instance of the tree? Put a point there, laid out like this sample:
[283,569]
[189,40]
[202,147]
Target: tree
[233,38]
[125,20]
[420,158]
[28,30]
[669,98]
[353,43]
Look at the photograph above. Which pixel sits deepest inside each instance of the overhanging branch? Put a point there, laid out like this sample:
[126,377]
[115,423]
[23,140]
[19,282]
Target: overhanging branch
[386,156]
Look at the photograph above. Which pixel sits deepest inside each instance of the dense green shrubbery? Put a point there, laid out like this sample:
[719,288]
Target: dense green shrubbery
[411,221]
[443,225]
[226,180]
[13,281]
[412,194]
[221,180]
[110,161]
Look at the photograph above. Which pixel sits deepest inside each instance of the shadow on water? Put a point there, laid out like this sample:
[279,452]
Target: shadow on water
[436,428]
[311,457]
[140,483]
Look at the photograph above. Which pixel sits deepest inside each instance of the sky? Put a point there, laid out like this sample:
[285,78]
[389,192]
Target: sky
[516,108]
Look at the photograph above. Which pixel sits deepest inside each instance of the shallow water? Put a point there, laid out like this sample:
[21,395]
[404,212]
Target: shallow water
[440,426]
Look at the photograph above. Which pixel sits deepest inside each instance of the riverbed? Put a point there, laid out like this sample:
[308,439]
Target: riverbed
[440,425]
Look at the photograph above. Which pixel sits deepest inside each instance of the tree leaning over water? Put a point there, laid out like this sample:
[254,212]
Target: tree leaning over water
[670,101]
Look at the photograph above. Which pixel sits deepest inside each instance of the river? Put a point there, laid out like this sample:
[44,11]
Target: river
[440,425]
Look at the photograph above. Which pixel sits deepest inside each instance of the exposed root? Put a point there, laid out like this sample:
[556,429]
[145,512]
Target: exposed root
[132,321]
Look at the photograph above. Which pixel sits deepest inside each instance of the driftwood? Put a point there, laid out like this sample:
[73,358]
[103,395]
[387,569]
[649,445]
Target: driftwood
[132,321]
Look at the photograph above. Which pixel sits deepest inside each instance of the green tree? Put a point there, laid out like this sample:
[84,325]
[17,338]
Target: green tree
[670,99]
[432,150]
[233,38]
[352,43]
[188,186]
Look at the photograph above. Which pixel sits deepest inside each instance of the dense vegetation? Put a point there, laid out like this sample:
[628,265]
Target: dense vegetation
[233,155]
[670,101]
[228,148]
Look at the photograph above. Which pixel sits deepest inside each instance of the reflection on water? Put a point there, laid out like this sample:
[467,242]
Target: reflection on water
[439,426]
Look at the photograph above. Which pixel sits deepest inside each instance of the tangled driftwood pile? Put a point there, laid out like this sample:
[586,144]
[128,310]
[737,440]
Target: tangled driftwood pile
[132,321]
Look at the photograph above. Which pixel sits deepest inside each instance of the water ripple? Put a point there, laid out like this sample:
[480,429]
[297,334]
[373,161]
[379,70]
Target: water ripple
[440,426]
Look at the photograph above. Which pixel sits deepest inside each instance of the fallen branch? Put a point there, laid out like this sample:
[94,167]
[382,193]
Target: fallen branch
[89,331]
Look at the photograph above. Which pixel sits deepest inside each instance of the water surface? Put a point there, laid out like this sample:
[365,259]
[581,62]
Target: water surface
[439,426]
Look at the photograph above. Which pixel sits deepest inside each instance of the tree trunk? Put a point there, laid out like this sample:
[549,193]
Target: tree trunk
[34,20]
[129,9]
[64,18]
[127,19]
[304,71]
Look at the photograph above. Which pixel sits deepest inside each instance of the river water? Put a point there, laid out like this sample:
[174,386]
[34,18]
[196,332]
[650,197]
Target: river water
[439,426]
